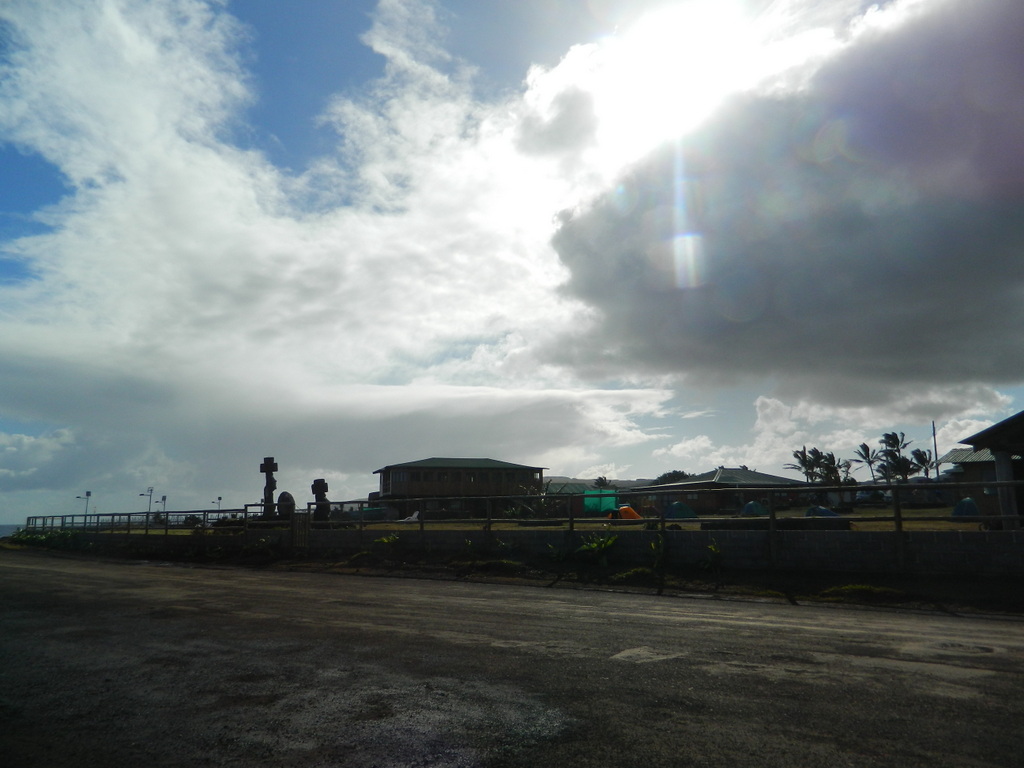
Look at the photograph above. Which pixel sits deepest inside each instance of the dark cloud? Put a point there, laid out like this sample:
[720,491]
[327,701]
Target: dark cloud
[867,230]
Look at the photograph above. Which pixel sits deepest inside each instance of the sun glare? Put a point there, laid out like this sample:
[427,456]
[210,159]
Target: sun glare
[665,74]
[669,71]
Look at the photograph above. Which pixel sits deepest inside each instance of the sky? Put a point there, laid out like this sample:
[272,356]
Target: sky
[606,237]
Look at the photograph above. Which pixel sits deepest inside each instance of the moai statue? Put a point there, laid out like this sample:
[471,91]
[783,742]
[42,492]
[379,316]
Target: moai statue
[322,511]
[268,468]
[285,505]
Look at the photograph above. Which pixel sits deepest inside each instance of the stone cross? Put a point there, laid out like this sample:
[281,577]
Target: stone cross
[268,468]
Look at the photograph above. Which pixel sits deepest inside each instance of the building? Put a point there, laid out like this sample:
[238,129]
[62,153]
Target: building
[458,486]
[731,488]
[1004,442]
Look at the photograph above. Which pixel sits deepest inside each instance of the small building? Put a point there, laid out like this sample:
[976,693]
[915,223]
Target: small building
[1005,443]
[455,485]
[974,471]
[725,490]
[975,467]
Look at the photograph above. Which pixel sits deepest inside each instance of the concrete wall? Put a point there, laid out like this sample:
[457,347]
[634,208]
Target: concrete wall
[938,552]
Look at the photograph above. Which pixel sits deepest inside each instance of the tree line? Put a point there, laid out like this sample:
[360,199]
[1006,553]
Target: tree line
[889,463]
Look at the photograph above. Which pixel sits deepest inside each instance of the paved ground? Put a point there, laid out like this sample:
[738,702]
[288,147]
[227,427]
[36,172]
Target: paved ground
[147,664]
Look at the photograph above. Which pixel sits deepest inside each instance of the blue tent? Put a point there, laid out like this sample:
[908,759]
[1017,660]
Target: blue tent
[821,512]
[677,510]
[966,507]
[754,509]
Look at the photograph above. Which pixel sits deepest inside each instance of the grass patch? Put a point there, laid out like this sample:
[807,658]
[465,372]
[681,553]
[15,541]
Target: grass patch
[641,576]
[863,593]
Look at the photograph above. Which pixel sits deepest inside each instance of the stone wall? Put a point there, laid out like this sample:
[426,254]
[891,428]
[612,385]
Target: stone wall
[934,552]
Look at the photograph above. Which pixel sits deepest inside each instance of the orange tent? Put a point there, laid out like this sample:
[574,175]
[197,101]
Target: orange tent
[626,513]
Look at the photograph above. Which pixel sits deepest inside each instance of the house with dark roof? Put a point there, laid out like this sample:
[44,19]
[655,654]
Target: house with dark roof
[973,467]
[733,486]
[456,484]
[995,455]
[975,472]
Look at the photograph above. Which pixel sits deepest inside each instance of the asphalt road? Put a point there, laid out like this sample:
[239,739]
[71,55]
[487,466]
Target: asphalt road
[148,664]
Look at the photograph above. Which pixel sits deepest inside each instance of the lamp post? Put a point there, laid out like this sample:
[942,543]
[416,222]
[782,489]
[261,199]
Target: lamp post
[88,495]
[149,492]
[217,502]
[163,504]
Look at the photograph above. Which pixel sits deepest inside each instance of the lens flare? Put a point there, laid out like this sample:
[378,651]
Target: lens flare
[688,255]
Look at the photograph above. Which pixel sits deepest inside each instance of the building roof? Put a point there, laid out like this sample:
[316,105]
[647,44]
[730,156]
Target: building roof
[731,476]
[443,463]
[570,485]
[1007,435]
[969,456]
[570,488]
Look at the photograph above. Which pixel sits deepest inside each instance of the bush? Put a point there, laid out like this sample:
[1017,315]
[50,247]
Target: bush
[51,538]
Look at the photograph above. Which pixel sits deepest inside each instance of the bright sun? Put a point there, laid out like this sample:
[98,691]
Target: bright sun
[666,73]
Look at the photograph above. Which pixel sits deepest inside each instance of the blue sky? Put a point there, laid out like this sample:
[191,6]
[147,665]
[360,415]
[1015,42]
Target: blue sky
[605,237]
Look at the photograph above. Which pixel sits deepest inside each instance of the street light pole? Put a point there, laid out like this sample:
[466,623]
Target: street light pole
[87,496]
[149,492]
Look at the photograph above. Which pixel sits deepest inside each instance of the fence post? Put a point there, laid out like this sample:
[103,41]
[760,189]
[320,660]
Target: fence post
[897,517]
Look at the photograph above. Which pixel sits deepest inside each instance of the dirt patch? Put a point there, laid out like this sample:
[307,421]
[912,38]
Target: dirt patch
[951,594]
[948,594]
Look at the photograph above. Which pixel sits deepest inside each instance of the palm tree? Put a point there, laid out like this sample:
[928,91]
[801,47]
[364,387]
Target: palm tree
[923,461]
[818,461]
[868,456]
[804,464]
[835,471]
[900,466]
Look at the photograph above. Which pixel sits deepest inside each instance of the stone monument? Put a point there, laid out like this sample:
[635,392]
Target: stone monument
[322,510]
[285,505]
[268,468]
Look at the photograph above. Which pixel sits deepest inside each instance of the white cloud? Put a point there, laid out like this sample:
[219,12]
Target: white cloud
[178,249]
[22,455]
[781,428]
[699,447]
